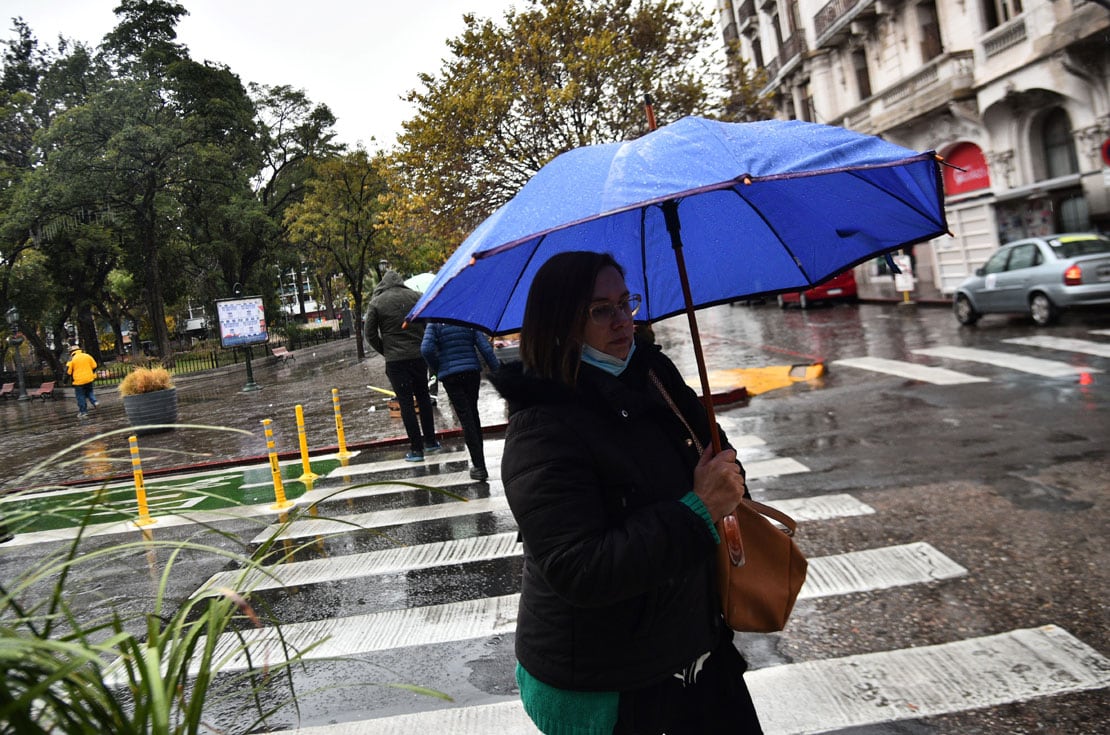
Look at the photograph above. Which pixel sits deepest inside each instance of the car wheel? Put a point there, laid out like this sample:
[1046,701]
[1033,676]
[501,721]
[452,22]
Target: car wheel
[1042,310]
[782,302]
[803,302]
[965,312]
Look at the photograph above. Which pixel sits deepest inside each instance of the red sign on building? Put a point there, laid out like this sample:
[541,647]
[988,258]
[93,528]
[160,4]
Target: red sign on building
[974,175]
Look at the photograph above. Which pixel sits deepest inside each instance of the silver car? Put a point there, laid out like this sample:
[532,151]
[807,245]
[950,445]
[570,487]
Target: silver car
[1038,276]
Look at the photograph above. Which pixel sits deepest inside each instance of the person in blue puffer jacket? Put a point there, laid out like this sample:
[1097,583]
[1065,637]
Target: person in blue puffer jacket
[451,352]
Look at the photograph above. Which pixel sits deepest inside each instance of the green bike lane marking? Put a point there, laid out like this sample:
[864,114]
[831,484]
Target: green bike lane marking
[207,490]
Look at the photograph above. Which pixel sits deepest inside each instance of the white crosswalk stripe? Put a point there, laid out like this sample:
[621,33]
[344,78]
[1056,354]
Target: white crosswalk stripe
[1067,344]
[913,371]
[1023,363]
[854,691]
[380,519]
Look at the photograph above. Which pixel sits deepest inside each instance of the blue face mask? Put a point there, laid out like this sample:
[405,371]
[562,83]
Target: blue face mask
[604,361]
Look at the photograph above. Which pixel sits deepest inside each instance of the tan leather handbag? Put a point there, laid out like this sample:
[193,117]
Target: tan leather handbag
[760,570]
[758,595]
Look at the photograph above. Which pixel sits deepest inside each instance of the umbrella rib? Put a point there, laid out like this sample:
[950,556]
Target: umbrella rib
[520,277]
[771,228]
[909,205]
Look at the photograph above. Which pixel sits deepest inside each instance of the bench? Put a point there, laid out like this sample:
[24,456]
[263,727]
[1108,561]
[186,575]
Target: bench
[283,353]
[8,389]
[44,391]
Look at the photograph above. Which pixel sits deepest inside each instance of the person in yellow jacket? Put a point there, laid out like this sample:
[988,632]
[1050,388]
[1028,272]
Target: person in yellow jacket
[82,369]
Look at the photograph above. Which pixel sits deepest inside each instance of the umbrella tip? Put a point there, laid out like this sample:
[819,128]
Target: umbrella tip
[473,260]
[747,179]
[938,157]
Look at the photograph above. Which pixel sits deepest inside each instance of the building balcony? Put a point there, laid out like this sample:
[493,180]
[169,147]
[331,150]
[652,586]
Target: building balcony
[1005,36]
[945,78]
[833,20]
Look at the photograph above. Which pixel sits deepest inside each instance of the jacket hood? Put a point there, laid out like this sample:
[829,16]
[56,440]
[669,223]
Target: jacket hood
[391,279]
[522,390]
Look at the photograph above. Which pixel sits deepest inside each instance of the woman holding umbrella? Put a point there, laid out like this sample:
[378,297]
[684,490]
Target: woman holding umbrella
[610,474]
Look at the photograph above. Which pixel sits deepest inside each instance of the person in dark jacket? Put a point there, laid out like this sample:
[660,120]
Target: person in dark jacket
[451,352]
[399,343]
[619,628]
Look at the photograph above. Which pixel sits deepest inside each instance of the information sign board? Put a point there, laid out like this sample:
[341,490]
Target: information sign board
[242,321]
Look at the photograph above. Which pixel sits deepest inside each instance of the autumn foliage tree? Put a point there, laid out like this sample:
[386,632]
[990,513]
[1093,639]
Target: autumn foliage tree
[339,219]
[556,75]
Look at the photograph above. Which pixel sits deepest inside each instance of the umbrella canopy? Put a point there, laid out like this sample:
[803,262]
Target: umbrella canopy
[760,208]
[420,281]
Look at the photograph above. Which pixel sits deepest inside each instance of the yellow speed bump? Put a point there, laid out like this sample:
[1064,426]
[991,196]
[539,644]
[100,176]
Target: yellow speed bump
[735,384]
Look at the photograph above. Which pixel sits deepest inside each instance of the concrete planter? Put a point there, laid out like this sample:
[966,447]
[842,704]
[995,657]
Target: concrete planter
[156,407]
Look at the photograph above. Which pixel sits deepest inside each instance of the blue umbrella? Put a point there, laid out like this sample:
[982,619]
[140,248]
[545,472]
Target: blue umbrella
[698,212]
[748,209]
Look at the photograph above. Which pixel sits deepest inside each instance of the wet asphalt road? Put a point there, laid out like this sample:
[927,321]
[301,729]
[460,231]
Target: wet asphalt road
[1009,478]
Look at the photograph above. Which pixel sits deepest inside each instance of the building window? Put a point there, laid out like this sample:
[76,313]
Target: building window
[1074,216]
[863,78]
[931,46]
[1058,145]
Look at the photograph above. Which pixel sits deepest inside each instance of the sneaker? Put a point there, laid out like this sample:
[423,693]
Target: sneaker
[94,404]
[82,415]
[433,448]
[479,473]
[414,457]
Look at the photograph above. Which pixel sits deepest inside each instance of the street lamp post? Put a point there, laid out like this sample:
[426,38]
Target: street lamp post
[15,339]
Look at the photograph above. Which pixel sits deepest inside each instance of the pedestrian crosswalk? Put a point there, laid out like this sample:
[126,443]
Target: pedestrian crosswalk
[937,375]
[792,698]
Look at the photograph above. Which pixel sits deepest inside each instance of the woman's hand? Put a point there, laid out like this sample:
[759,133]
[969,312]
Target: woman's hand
[718,482]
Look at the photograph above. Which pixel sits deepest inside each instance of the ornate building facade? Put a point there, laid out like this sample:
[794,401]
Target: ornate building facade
[1015,93]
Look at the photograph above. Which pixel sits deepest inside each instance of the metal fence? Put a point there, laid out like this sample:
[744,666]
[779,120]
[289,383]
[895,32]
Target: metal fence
[185,363]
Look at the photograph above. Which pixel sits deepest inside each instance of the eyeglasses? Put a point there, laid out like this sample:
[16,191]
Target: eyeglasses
[606,312]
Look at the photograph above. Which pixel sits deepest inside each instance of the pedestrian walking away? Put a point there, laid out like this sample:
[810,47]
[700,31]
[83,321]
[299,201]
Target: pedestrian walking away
[452,353]
[616,495]
[399,343]
[82,371]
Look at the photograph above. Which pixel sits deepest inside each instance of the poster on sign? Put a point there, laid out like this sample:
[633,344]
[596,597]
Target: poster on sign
[903,281]
[242,321]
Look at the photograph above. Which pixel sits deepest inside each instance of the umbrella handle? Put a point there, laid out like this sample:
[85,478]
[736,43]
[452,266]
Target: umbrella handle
[730,524]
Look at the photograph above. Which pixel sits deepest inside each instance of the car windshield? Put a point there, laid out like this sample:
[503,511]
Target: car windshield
[1076,245]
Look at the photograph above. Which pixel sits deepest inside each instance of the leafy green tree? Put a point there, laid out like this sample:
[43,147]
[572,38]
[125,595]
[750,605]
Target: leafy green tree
[744,101]
[163,139]
[556,75]
[340,219]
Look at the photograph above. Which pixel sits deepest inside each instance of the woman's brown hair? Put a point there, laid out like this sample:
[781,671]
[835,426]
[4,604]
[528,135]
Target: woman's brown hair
[555,313]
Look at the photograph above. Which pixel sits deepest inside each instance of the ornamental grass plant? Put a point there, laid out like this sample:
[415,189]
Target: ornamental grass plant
[80,654]
[145,379]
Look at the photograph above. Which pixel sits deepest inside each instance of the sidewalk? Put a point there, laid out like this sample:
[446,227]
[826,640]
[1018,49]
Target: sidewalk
[36,431]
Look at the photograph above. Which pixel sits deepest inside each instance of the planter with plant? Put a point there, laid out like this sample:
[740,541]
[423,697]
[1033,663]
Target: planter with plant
[149,399]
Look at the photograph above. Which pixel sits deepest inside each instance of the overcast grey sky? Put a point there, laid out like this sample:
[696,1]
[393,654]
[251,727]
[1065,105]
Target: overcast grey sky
[357,56]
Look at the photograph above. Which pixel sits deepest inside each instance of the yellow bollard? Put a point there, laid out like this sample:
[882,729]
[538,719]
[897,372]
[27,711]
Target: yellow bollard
[275,470]
[343,453]
[140,489]
[307,476]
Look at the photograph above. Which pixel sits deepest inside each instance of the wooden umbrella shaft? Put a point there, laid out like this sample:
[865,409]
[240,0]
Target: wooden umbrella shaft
[670,216]
[729,526]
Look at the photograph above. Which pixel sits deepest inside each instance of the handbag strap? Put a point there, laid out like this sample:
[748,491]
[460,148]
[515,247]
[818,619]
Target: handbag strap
[728,528]
[670,402]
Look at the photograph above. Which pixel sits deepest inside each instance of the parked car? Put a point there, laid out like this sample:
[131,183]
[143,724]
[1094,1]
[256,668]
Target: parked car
[841,287]
[1038,276]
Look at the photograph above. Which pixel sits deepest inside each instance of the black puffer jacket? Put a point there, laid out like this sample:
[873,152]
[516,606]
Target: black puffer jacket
[618,589]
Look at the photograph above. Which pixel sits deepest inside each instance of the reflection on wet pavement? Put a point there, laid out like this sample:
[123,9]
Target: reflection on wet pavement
[48,441]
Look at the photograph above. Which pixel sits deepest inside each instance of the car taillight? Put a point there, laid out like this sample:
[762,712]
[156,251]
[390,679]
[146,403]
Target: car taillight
[1073,276]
